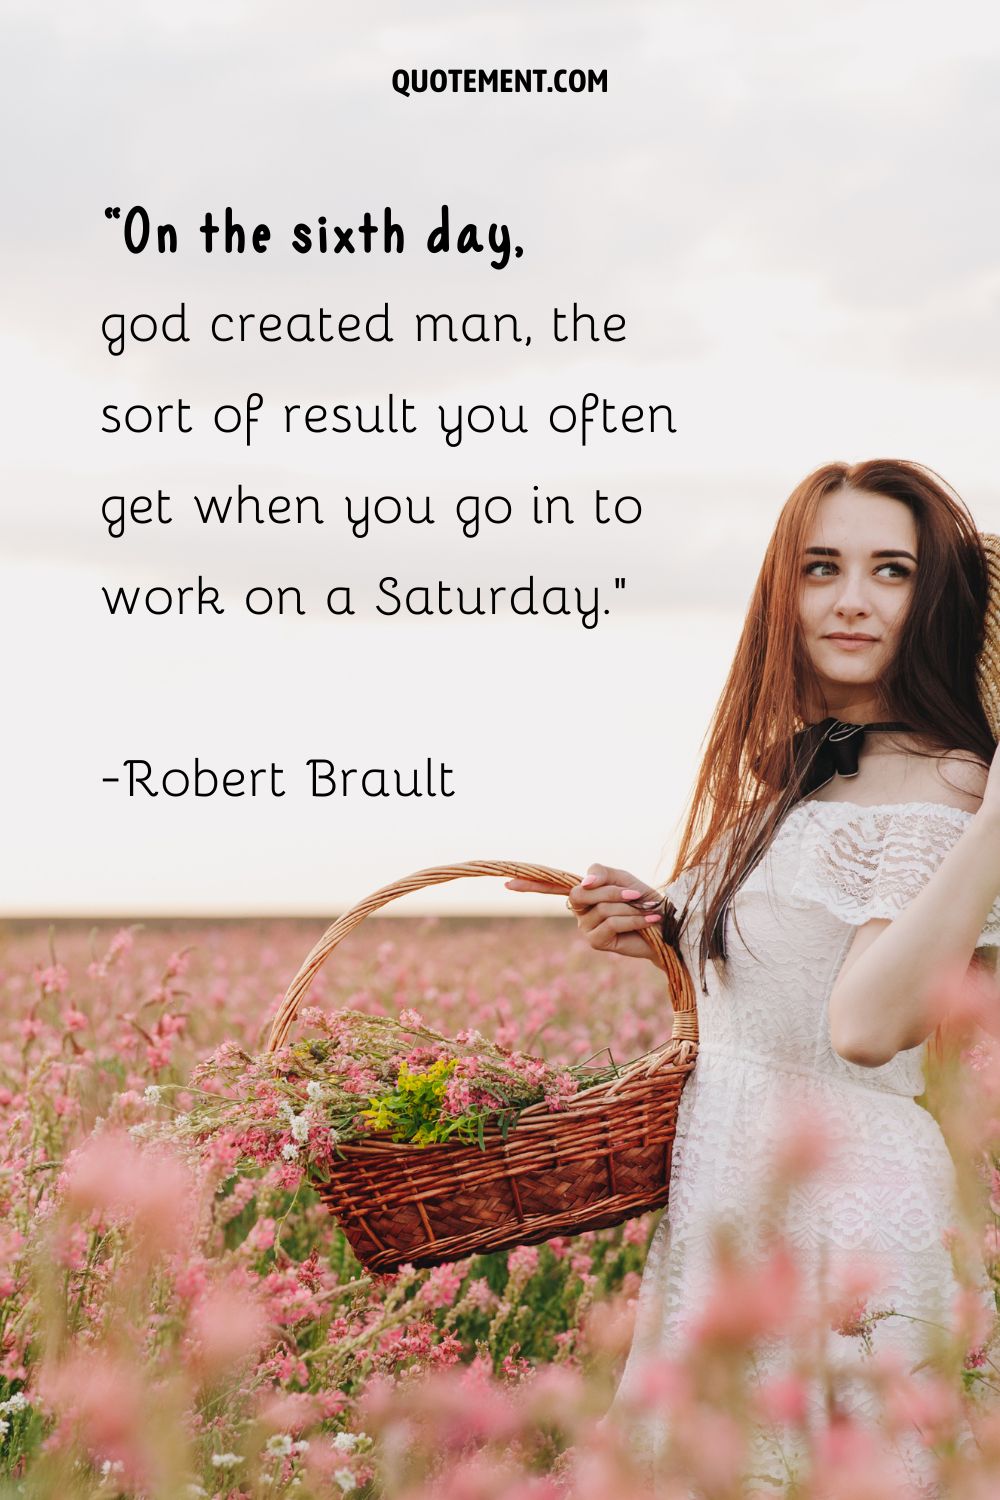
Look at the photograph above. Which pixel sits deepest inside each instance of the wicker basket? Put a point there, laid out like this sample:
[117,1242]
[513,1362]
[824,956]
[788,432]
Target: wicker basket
[603,1159]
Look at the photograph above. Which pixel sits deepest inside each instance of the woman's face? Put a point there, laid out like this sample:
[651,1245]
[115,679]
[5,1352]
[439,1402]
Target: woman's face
[857,576]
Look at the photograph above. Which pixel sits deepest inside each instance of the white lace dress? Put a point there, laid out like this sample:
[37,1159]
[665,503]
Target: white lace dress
[887,1189]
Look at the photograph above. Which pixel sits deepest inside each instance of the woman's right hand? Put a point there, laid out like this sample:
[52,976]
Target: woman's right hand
[611,908]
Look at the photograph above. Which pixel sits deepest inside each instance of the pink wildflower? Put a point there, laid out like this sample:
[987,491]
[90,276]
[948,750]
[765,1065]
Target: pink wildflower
[804,1146]
[227,1326]
[52,980]
[445,1352]
[930,1404]
[522,1262]
[261,1236]
[964,995]
[852,1320]
[101,1398]
[746,1301]
[110,1175]
[971,1319]
[784,1400]
[441,1286]
[513,1366]
[478,1294]
[120,943]
[292,1411]
[663,1382]
[176,964]
[636,1231]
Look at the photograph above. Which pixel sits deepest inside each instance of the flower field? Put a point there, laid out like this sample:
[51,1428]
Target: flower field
[187,1322]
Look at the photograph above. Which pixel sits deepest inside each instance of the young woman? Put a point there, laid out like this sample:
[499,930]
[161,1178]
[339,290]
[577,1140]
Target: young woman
[841,851]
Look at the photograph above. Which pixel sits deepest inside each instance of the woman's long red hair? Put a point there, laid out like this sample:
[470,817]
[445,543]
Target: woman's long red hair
[748,777]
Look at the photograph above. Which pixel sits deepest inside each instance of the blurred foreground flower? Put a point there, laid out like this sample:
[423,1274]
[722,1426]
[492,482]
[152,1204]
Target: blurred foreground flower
[179,1326]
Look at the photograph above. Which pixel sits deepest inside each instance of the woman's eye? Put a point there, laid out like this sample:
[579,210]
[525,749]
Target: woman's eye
[897,570]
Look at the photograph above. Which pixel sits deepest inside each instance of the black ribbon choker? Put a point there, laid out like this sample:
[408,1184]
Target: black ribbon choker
[831,748]
[821,751]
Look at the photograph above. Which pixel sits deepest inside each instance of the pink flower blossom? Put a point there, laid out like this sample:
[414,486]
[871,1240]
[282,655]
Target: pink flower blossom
[635,1231]
[747,1301]
[441,1286]
[293,1411]
[52,980]
[478,1294]
[120,943]
[784,1400]
[522,1262]
[101,1397]
[227,1326]
[261,1236]
[110,1175]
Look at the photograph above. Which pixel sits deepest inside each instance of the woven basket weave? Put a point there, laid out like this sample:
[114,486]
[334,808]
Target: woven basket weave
[603,1159]
[989,656]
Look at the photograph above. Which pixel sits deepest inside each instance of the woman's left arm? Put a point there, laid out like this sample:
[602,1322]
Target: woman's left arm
[883,999]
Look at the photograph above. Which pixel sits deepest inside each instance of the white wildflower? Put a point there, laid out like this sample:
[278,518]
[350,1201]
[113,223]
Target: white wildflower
[226,1460]
[17,1402]
[109,1467]
[153,1093]
[314,1089]
[280,1445]
[289,1151]
[4,1428]
[297,1124]
[346,1442]
[302,1446]
[195,1490]
[345,1479]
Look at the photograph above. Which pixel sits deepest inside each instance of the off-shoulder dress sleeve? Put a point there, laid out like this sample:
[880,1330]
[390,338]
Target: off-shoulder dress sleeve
[865,862]
[679,889]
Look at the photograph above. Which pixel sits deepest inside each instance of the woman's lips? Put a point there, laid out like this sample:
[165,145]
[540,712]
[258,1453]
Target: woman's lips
[851,642]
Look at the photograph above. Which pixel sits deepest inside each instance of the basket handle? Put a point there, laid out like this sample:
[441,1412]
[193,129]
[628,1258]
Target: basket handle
[679,981]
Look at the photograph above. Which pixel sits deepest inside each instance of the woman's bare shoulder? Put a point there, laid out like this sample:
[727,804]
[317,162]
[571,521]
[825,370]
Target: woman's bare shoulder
[907,770]
[957,777]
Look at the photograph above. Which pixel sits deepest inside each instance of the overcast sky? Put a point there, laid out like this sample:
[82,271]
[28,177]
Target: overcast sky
[792,206]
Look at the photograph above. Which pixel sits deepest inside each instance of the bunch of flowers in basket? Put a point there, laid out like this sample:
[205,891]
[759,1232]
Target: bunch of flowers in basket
[355,1076]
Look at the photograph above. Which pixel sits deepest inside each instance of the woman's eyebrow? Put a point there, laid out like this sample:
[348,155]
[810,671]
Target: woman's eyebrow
[882,552]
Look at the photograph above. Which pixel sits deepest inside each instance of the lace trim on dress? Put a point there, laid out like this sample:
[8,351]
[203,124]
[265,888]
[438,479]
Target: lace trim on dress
[860,862]
[865,862]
